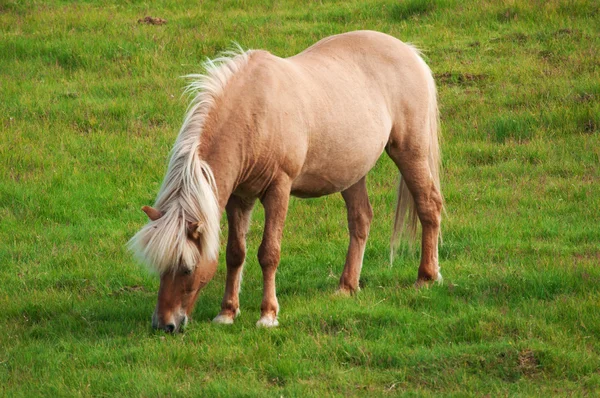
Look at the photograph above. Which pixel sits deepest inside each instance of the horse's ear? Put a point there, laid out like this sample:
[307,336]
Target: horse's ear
[152,213]
[195,229]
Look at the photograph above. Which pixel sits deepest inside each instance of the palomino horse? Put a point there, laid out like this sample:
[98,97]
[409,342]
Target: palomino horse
[263,127]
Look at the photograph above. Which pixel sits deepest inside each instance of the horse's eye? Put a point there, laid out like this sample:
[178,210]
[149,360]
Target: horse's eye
[186,271]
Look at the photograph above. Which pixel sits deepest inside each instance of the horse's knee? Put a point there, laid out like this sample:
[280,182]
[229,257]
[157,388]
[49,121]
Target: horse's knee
[430,207]
[367,215]
[236,253]
[360,222]
[268,256]
[430,218]
[436,198]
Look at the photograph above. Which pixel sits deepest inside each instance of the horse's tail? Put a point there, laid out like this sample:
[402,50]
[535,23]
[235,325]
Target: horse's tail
[405,220]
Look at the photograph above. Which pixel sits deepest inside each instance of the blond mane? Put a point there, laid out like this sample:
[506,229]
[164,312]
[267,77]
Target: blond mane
[189,193]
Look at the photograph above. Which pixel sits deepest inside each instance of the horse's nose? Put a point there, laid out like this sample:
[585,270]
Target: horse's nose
[169,328]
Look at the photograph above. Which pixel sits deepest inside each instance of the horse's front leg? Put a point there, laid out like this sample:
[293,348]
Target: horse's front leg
[360,214]
[275,201]
[238,219]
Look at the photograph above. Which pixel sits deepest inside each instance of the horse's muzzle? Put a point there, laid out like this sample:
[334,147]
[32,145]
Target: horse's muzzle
[173,325]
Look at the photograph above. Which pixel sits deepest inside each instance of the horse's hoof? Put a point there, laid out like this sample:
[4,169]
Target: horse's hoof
[341,292]
[226,319]
[267,322]
[345,291]
[428,282]
[223,320]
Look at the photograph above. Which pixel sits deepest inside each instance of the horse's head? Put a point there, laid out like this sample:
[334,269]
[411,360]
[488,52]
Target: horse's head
[180,284]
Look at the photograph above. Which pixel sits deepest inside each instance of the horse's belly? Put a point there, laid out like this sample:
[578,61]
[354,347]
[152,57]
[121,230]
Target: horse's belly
[327,182]
[335,171]
[313,186]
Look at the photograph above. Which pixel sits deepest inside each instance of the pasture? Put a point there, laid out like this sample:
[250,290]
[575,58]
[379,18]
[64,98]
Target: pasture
[90,106]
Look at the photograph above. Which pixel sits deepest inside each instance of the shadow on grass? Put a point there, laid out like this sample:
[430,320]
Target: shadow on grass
[392,298]
[96,317]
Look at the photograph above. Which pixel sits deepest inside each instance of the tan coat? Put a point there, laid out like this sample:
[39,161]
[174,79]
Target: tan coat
[309,125]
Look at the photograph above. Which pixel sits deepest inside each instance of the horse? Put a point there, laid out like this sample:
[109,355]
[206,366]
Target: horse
[264,127]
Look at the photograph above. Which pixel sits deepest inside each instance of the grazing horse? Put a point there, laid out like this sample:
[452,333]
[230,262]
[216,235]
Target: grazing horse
[264,127]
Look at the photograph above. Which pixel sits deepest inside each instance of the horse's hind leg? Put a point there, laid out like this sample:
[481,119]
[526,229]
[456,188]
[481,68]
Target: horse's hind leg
[360,214]
[414,167]
[238,218]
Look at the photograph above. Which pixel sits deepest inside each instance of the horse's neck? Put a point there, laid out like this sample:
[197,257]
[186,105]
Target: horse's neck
[229,143]
[225,166]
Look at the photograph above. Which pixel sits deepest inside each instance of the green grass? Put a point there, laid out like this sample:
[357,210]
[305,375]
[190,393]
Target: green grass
[90,104]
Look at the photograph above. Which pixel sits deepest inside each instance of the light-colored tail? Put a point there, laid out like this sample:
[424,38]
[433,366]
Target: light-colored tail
[405,220]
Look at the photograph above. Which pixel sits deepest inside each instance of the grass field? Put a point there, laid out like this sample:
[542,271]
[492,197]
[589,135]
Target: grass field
[90,104]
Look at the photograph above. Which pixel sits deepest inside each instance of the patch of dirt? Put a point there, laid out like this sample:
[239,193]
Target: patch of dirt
[567,32]
[546,54]
[584,97]
[459,79]
[590,126]
[128,289]
[517,37]
[528,363]
[152,20]
[508,15]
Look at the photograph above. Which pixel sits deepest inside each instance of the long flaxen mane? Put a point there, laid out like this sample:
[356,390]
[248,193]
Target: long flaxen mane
[189,193]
